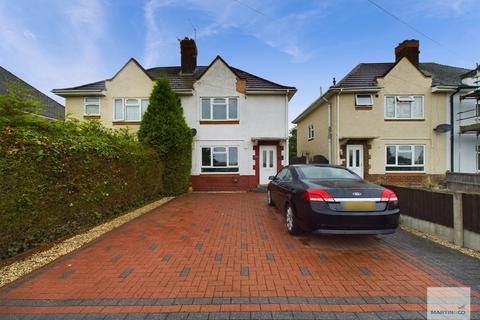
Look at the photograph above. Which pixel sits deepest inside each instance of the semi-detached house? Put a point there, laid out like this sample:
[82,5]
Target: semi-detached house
[388,122]
[239,120]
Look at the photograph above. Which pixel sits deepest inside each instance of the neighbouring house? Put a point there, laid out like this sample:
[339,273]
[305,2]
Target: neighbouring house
[50,108]
[388,122]
[465,145]
[239,120]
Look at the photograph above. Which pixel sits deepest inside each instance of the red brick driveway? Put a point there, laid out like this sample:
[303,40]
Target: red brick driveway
[223,256]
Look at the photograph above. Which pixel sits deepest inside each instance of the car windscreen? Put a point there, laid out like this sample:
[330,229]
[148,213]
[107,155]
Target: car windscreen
[326,173]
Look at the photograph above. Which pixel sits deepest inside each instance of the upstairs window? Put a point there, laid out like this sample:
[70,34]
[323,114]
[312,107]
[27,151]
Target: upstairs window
[404,107]
[220,159]
[129,109]
[92,106]
[363,100]
[405,158]
[311,132]
[219,109]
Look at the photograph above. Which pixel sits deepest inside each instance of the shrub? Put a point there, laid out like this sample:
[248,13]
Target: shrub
[165,129]
[59,177]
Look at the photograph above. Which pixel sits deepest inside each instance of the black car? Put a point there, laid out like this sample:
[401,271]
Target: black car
[332,200]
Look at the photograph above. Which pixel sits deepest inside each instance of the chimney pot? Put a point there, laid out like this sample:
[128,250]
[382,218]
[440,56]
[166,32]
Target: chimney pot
[408,49]
[188,52]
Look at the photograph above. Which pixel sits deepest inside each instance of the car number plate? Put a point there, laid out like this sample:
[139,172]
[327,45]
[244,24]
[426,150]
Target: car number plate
[359,206]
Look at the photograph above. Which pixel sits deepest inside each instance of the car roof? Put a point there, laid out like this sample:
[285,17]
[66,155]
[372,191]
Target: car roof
[316,165]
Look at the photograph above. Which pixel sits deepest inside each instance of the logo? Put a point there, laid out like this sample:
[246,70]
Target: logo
[448,303]
[357,194]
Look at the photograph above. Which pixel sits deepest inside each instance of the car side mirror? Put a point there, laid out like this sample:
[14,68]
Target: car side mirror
[271,178]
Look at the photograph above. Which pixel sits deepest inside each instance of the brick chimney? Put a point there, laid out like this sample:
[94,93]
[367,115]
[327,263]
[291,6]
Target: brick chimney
[408,49]
[188,52]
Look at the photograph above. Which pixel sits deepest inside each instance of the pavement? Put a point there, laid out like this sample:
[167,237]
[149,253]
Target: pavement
[228,256]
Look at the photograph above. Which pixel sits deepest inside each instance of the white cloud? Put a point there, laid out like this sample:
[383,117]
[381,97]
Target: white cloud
[282,32]
[50,65]
[448,7]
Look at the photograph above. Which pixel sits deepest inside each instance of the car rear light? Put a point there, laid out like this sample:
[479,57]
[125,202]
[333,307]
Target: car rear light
[318,195]
[388,195]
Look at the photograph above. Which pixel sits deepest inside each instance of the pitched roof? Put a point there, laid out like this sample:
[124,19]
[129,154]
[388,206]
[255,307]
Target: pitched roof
[180,81]
[50,108]
[365,74]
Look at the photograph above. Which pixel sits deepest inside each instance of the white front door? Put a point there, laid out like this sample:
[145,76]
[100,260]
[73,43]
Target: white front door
[355,158]
[268,163]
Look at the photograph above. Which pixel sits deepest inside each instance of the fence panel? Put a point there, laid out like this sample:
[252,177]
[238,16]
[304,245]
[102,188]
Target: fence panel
[426,205]
[471,212]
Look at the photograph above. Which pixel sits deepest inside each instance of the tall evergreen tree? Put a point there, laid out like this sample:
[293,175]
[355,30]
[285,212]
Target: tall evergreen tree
[164,128]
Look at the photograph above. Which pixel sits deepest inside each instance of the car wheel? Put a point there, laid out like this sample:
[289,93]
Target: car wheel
[269,198]
[291,222]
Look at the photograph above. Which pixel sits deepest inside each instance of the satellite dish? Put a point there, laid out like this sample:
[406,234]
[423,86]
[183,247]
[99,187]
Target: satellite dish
[194,132]
[442,128]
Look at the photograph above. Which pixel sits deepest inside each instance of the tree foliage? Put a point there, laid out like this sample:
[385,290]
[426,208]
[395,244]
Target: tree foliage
[292,142]
[165,129]
[59,177]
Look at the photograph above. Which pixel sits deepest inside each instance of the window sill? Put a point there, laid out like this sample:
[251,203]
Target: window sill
[363,107]
[310,139]
[219,121]
[405,173]
[124,123]
[404,119]
[91,116]
[221,173]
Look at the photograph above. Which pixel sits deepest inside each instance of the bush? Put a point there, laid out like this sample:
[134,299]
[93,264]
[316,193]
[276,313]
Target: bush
[165,129]
[59,177]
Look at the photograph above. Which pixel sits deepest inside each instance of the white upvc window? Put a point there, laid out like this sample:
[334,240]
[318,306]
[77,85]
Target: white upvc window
[404,107]
[402,157]
[91,106]
[129,109]
[311,132]
[363,100]
[219,109]
[220,159]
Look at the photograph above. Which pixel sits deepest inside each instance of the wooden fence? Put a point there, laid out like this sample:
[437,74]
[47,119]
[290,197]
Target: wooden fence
[471,212]
[426,205]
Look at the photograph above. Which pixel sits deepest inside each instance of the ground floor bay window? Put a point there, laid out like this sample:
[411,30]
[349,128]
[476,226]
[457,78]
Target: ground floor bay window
[219,159]
[405,158]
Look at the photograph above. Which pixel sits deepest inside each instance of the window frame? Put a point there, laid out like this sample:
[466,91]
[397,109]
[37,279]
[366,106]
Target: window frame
[124,108]
[311,132]
[395,98]
[363,105]
[227,147]
[85,106]
[477,153]
[227,111]
[396,165]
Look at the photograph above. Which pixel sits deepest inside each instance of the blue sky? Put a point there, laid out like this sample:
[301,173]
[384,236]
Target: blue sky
[60,43]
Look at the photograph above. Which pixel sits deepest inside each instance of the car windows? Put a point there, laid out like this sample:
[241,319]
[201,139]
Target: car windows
[326,173]
[285,175]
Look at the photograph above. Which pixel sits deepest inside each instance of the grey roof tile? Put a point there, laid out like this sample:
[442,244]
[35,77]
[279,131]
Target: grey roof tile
[365,74]
[180,81]
[50,108]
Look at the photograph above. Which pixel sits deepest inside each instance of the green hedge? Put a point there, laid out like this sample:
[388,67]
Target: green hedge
[59,177]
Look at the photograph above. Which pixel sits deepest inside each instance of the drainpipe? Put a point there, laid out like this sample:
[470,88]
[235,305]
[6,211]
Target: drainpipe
[329,130]
[338,127]
[286,151]
[452,132]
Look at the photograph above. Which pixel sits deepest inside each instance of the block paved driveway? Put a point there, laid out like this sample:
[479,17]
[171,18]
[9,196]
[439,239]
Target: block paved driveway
[228,256]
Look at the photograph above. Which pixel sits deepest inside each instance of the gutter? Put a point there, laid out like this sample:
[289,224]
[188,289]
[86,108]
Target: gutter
[338,127]
[329,116]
